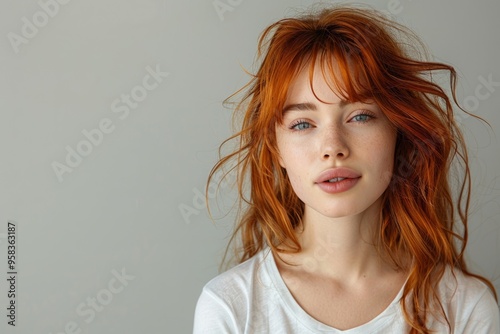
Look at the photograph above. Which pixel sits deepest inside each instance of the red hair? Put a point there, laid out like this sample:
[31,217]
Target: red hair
[419,212]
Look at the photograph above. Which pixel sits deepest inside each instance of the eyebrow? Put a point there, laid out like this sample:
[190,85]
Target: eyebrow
[308,106]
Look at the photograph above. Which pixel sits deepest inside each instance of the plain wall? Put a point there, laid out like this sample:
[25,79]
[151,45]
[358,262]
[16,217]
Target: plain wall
[118,241]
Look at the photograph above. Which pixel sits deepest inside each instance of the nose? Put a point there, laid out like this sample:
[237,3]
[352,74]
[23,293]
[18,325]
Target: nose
[334,144]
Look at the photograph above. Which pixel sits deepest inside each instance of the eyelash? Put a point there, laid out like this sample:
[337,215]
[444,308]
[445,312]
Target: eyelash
[361,113]
[297,123]
[364,113]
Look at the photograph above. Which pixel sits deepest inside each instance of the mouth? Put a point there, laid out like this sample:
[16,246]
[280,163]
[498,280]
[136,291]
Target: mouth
[335,175]
[335,179]
[338,184]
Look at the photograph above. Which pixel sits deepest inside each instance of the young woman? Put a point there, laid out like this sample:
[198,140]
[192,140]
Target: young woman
[350,222]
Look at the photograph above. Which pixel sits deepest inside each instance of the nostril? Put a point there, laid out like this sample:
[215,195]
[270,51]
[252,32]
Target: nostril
[339,155]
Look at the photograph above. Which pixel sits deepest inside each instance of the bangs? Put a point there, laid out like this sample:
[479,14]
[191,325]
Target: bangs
[344,73]
[346,65]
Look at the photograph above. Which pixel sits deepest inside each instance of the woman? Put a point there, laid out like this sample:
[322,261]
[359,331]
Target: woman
[350,221]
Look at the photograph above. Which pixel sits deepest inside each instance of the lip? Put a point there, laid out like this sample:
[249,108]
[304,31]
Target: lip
[351,178]
[337,172]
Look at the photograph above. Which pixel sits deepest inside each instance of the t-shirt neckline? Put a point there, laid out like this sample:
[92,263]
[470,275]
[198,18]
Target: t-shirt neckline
[311,323]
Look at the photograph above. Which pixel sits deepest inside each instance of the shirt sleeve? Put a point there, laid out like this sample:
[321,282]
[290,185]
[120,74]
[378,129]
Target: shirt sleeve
[485,317]
[212,316]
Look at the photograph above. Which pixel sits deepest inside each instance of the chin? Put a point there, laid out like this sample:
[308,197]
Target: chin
[346,211]
[339,212]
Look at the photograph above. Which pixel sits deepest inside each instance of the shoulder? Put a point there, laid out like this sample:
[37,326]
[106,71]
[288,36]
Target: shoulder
[457,287]
[237,280]
[468,303]
[227,299]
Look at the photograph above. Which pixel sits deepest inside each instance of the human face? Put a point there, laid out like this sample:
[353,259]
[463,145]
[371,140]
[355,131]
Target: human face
[350,144]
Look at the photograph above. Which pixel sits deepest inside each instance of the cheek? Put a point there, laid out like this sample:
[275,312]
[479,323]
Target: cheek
[296,168]
[292,153]
[386,160]
[387,172]
[280,159]
[281,147]
[297,183]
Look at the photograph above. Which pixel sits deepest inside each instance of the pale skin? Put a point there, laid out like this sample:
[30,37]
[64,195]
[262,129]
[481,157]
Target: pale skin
[341,280]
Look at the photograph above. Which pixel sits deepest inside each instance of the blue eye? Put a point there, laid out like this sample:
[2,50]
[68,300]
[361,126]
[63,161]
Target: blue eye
[300,125]
[362,118]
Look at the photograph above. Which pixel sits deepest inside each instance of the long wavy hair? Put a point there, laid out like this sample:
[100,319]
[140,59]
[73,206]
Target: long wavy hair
[423,219]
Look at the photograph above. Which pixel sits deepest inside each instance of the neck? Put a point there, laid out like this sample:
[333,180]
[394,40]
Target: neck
[341,248]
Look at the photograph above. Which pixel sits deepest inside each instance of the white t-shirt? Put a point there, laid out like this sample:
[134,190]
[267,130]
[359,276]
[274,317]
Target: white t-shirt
[253,298]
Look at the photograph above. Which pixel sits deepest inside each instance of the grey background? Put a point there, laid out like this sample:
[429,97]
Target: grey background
[120,208]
